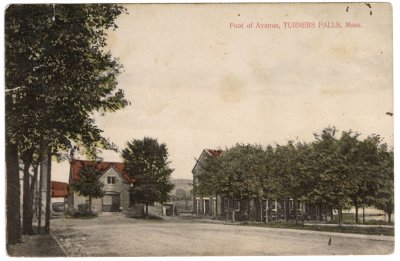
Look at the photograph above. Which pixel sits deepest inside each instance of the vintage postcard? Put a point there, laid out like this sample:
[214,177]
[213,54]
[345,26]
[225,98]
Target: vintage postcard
[244,129]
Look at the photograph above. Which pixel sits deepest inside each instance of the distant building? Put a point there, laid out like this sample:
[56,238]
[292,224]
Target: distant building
[116,188]
[59,189]
[239,209]
[59,197]
[205,204]
[182,196]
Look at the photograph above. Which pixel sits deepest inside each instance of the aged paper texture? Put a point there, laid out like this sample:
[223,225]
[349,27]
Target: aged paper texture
[199,129]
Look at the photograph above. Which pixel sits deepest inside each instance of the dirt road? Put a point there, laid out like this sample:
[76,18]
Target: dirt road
[115,235]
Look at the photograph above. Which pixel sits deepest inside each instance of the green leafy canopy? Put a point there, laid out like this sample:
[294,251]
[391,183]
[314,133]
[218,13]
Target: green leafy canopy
[147,161]
[88,184]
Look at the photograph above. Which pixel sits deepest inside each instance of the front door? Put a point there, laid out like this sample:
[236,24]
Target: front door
[111,202]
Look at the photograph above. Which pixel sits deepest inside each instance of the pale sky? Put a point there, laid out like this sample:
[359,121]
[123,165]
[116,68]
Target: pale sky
[196,83]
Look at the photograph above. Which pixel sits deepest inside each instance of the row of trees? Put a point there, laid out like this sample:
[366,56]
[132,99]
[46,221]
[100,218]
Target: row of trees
[335,172]
[57,74]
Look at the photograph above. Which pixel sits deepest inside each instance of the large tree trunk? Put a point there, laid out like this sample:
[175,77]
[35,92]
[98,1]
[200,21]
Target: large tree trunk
[32,193]
[13,193]
[13,233]
[44,189]
[27,228]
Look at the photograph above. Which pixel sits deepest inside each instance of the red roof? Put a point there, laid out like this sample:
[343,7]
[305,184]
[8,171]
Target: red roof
[204,153]
[59,189]
[214,153]
[102,166]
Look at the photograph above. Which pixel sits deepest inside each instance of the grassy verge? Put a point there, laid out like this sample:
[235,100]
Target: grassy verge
[150,218]
[378,230]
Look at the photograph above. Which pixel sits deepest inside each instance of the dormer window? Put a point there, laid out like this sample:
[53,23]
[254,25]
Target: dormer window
[110,180]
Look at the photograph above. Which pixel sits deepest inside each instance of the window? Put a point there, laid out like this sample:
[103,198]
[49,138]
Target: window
[110,180]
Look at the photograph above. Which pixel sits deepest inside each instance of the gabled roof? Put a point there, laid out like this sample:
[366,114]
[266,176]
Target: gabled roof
[102,166]
[59,189]
[208,152]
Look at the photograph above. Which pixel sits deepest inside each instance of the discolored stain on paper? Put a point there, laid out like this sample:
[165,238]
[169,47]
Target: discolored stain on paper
[231,89]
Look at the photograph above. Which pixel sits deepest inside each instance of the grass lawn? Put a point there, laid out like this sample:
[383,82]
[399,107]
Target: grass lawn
[378,230]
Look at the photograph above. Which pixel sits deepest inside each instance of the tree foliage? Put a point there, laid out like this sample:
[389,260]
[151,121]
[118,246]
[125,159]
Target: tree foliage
[58,73]
[384,198]
[147,162]
[88,184]
[234,174]
[334,172]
